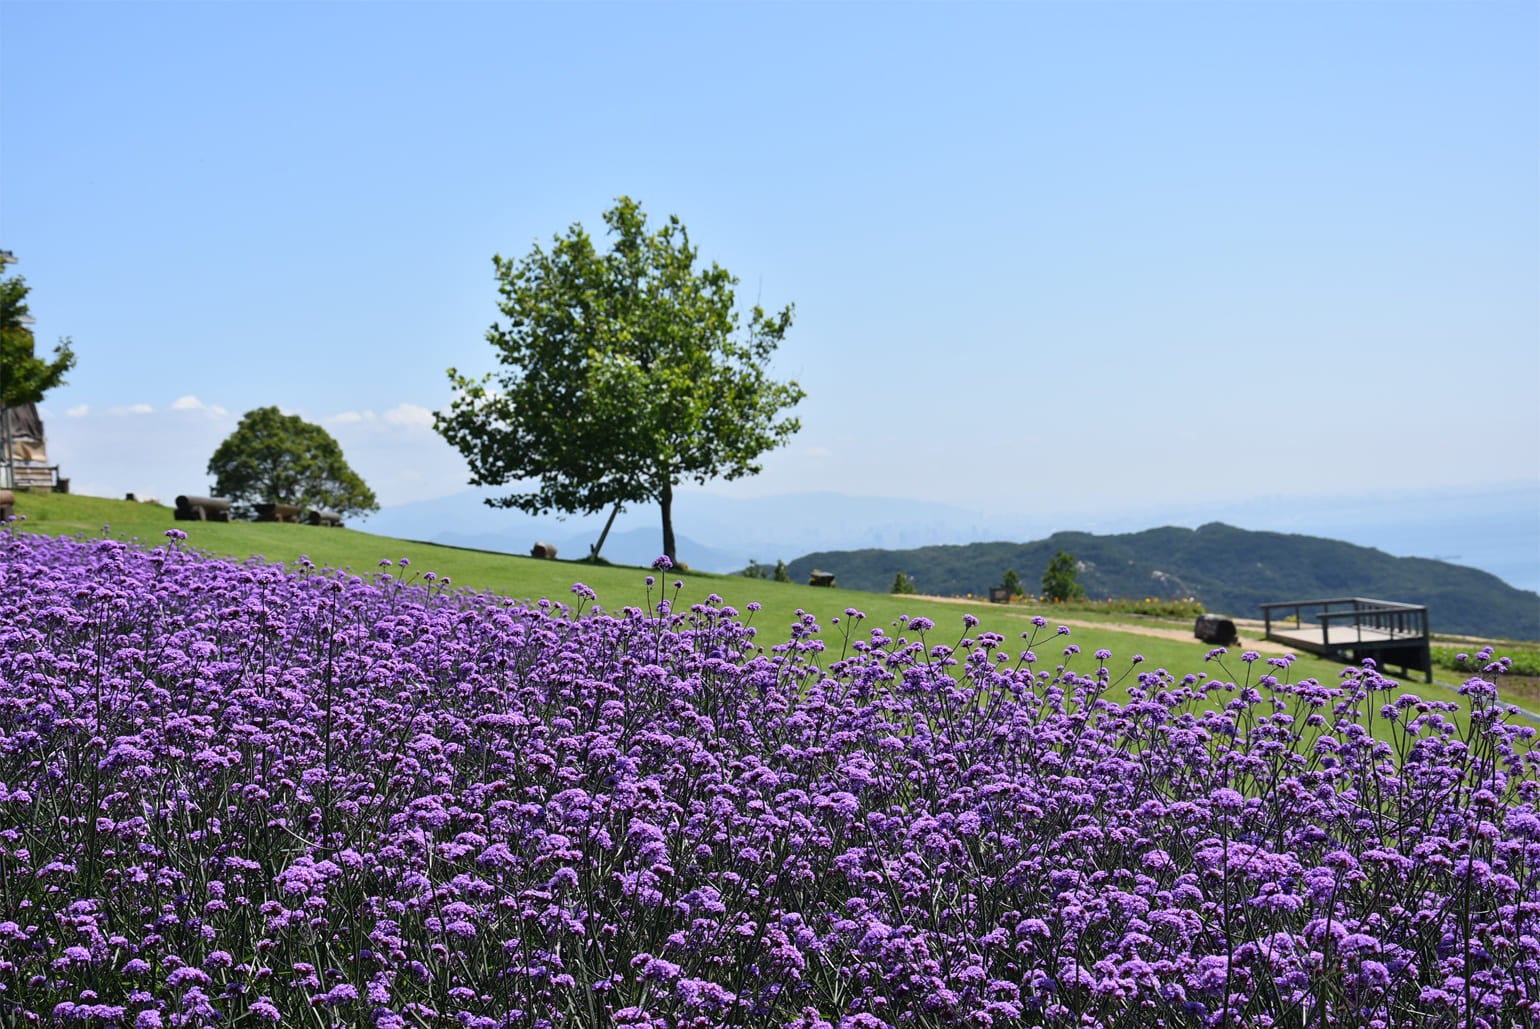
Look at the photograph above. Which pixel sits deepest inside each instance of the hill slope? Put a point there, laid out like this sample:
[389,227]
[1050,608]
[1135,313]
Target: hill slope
[1230,570]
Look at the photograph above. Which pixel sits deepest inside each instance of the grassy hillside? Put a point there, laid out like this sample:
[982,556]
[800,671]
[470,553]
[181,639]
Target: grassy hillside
[1231,571]
[528,578]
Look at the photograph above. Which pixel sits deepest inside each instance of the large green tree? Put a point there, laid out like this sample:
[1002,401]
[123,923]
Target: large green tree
[25,377]
[278,458]
[623,374]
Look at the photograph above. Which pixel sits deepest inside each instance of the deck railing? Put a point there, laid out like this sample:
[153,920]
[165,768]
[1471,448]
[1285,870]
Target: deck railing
[1379,616]
[29,475]
[1355,627]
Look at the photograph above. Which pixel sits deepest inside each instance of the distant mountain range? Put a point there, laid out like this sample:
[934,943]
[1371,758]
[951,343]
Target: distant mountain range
[1297,548]
[763,529]
[1494,528]
[1231,571]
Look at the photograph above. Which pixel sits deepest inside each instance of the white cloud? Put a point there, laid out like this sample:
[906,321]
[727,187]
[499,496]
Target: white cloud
[132,409]
[79,411]
[402,416]
[192,403]
[411,416]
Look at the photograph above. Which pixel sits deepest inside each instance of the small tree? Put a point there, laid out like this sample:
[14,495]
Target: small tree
[25,377]
[902,584]
[624,374]
[755,570]
[782,573]
[1060,581]
[278,458]
[1011,583]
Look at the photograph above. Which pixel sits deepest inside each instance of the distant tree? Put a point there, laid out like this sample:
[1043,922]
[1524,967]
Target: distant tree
[782,573]
[1011,582]
[623,374]
[902,584]
[755,570]
[278,458]
[25,377]
[1061,579]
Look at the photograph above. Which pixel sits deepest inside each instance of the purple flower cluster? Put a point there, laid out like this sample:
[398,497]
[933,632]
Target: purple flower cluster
[236,794]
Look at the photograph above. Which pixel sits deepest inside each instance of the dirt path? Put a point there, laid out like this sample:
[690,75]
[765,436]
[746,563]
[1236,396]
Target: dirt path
[1250,638]
[1520,690]
[1250,631]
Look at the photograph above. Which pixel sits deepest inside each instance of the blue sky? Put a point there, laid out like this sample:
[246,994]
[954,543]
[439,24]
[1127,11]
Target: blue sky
[1042,254]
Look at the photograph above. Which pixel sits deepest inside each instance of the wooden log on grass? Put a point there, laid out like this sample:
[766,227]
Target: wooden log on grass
[288,513]
[201,509]
[321,516]
[1214,629]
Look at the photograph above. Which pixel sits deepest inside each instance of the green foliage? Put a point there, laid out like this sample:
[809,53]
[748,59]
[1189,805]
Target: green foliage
[902,584]
[272,457]
[1224,569]
[25,377]
[755,570]
[623,374]
[1523,661]
[1061,579]
[1011,582]
[1152,607]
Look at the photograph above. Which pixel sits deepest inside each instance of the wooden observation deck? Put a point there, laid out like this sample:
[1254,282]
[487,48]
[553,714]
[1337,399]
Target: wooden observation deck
[1350,629]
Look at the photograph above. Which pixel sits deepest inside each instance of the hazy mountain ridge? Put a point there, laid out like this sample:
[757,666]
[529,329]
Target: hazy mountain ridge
[1231,571]
[762,529]
[1495,528]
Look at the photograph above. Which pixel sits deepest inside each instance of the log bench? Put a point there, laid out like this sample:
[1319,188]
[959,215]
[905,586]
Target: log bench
[201,509]
[321,516]
[278,513]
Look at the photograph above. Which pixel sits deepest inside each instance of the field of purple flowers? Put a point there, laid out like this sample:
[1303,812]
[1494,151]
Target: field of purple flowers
[233,794]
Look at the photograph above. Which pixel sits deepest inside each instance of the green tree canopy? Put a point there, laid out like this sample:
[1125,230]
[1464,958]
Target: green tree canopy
[25,377]
[902,584]
[623,374]
[1061,579]
[278,458]
[1012,583]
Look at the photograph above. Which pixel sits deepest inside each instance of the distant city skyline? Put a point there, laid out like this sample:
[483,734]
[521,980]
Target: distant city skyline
[1045,257]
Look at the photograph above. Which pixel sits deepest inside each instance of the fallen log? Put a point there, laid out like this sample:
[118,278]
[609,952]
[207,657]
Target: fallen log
[202,509]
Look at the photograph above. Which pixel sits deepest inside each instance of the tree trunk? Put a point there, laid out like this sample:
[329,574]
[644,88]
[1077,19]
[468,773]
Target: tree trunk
[667,503]
[593,551]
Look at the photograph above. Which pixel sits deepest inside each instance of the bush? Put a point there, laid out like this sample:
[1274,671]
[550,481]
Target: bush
[1154,607]
[902,584]
[1061,579]
[1514,661]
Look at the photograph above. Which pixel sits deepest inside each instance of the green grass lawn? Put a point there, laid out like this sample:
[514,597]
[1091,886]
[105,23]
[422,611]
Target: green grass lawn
[617,586]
